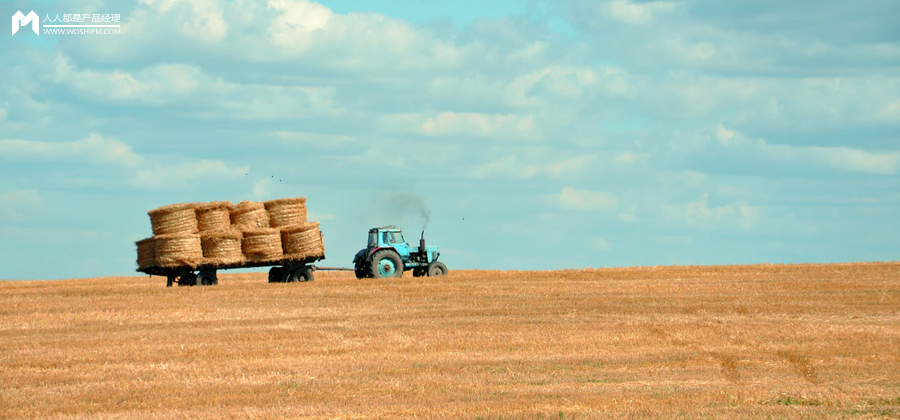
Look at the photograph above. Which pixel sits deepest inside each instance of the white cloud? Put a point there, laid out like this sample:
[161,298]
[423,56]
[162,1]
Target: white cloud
[477,124]
[700,214]
[512,167]
[95,149]
[600,244]
[507,167]
[584,200]
[178,175]
[638,14]
[14,205]
[297,23]
[839,158]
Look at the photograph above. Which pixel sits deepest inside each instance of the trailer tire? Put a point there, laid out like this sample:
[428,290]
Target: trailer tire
[436,269]
[275,275]
[207,278]
[386,264]
[300,274]
[188,279]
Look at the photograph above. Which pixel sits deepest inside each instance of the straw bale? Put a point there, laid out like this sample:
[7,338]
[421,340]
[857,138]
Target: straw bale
[222,247]
[286,212]
[249,215]
[174,219]
[214,216]
[178,250]
[302,242]
[262,245]
[146,253]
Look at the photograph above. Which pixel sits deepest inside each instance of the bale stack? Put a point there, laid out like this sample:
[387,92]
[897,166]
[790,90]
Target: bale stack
[286,212]
[249,215]
[222,247]
[214,216]
[302,242]
[146,250]
[222,234]
[262,245]
[178,250]
[174,219]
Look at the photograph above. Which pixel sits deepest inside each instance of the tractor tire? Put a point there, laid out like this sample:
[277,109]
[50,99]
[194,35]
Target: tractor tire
[386,264]
[420,272]
[436,269]
[207,278]
[300,274]
[275,275]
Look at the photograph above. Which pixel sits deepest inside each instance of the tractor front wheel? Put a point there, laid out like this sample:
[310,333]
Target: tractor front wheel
[437,269]
[386,264]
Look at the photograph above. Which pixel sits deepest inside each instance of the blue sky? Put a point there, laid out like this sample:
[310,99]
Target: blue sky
[538,134]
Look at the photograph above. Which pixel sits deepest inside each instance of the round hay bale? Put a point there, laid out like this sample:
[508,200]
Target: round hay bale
[178,251]
[214,216]
[174,219]
[146,253]
[286,212]
[262,245]
[249,215]
[222,247]
[302,242]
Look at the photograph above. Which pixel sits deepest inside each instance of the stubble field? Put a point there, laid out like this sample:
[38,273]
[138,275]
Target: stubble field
[761,341]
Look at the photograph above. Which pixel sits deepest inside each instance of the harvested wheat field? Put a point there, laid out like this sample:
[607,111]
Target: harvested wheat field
[762,341]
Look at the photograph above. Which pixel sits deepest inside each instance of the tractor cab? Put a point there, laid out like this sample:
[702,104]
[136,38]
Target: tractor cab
[387,254]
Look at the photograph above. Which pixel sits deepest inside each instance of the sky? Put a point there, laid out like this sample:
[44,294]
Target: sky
[532,134]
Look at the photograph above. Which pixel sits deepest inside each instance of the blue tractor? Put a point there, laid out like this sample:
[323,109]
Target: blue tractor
[388,255]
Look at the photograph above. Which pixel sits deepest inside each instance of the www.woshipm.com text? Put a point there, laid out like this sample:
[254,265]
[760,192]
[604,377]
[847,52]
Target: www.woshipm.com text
[82,31]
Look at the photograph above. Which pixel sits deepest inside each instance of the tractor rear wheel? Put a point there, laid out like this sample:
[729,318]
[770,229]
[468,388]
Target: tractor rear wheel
[386,264]
[437,269]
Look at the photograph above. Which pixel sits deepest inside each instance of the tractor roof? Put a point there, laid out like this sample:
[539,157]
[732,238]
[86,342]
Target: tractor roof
[388,228]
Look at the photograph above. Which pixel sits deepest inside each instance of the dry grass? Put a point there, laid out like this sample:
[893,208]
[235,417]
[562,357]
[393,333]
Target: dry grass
[801,341]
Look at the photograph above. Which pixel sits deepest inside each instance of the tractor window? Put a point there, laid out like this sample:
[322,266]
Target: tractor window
[397,238]
[373,240]
[385,238]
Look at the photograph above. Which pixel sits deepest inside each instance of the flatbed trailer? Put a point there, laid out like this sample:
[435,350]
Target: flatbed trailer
[281,271]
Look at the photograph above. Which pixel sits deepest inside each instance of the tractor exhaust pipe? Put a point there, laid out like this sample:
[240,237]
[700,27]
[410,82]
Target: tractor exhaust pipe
[422,242]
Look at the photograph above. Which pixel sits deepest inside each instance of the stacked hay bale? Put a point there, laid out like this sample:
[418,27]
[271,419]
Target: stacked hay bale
[302,242]
[299,240]
[221,234]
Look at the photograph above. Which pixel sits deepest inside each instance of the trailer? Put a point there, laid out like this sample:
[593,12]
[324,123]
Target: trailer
[281,271]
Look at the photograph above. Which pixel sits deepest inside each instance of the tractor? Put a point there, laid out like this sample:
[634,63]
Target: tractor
[388,255]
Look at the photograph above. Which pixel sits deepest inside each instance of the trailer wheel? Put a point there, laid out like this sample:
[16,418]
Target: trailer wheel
[386,264]
[300,274]
[437,269]
[275,274]
[207,278]
[187,279]
[170,280]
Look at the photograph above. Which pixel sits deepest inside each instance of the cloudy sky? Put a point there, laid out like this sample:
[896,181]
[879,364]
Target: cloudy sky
[536,134]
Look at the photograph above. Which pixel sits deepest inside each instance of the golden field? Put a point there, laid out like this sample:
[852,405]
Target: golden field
[759,341]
